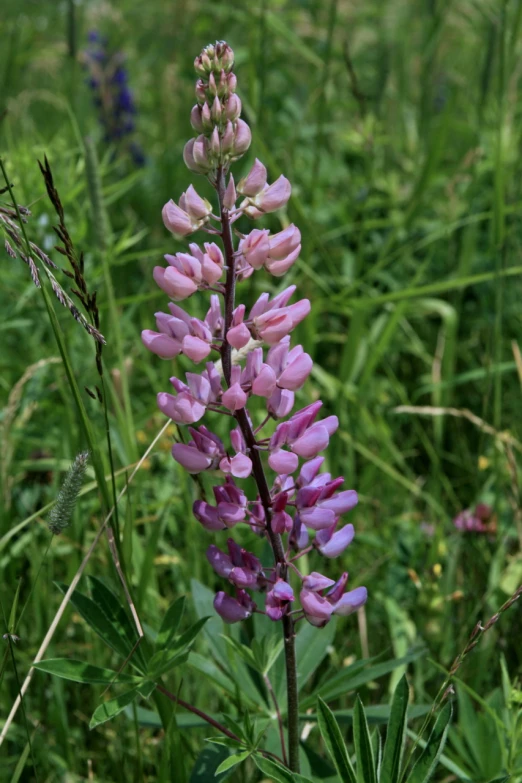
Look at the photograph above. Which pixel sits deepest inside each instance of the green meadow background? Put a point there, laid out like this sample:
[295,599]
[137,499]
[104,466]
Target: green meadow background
[399,125]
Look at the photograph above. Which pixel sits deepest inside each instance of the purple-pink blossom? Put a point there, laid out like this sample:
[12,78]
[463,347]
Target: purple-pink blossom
[250,362]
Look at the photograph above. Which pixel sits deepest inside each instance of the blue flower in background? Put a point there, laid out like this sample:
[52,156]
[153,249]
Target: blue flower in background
[108,80]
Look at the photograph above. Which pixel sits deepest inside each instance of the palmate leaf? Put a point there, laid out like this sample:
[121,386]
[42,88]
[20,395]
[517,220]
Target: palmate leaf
[110,625]
[427,762]
[109,709]
[79,671]
[170,623]
[233,761]
[331,734]
[363,746]
[276,772]
[395,734]
[176,653]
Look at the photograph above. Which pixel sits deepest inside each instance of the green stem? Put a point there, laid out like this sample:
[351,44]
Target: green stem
[84,418]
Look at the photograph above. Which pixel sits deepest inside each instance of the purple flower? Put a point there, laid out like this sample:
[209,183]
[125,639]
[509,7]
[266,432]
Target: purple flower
[301,498]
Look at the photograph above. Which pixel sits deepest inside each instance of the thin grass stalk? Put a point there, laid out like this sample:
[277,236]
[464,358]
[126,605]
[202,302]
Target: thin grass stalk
[61,609]
[55,325]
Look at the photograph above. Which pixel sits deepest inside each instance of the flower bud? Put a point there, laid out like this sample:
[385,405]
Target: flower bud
[216,110]
[206,118]
[201,91]
[230,198]
[190,163]
[196,119]
[233,108]
[227,140]
[242,139]
[254,182]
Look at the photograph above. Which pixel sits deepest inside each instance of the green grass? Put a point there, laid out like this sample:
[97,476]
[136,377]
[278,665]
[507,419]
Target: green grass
[407,193]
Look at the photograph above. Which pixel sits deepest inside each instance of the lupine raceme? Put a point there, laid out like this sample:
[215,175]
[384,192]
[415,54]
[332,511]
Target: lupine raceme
[247,354]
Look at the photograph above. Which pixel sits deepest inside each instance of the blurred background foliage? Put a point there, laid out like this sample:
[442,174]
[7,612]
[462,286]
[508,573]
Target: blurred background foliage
[399,125]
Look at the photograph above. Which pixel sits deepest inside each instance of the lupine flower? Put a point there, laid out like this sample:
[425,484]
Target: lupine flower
[303,505]
[477,520]
[112,96]
[319,607]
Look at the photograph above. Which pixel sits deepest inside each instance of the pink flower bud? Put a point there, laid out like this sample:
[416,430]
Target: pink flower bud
[255,247]
[200,154]
[216,110]
[190,163]
[232,610]
[254,182]
[227,140]
[230,197]
[176,219]
[195,118]
[234,398]
[242,138]
[198,208]
[233,107]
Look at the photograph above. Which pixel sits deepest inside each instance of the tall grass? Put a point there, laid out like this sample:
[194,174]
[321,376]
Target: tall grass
[399,124]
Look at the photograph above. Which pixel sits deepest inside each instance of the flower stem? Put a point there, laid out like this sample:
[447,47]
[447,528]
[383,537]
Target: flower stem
[262,485]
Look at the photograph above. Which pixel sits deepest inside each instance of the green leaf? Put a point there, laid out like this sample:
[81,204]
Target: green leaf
[233,760]
[11,626]
[354,676]
[363,745]
[244,652]
[113,609]
[204,770]
[79,671]
[331,734]
[170,623]
[301,778]
[427,762]
[109,709]
[98,620]
[395,736]
[273,770]
[177,653]
[161,663]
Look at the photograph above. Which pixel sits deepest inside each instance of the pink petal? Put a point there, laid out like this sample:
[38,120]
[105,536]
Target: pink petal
[351,601]
[338,542]
[179,285]
[296,373]
[190,458]
[238,336]
[283,461]
[195,349]
[311,442]
[234,398]
[160,344]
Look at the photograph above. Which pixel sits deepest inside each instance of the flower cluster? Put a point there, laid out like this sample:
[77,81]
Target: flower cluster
[112,96]
[248,355]
[478,520]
